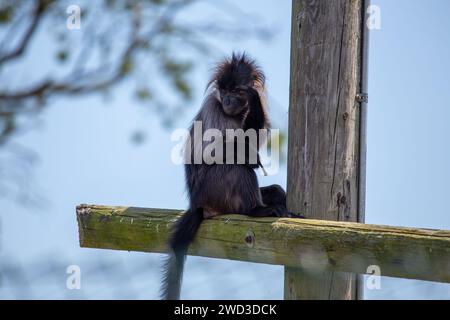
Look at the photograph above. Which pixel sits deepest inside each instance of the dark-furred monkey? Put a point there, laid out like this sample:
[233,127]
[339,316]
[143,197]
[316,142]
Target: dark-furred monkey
[235,100]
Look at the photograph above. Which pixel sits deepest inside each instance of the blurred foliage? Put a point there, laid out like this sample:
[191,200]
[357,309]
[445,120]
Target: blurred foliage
[156,45]
[118,40]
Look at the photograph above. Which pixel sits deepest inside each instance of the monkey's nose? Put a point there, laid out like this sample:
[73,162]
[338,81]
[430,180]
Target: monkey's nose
[226,101]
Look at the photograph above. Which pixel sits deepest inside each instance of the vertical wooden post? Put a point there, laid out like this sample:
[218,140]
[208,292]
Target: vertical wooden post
[325,155]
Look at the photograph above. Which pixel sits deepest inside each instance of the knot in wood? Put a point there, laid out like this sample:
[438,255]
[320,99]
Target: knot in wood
[250,238]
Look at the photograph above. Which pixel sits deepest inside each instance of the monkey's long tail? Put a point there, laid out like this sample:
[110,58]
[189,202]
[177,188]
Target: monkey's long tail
[183,232]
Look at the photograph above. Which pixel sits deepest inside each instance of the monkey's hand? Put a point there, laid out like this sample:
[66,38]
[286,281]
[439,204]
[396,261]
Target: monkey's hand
[282,212]
[251,92]
[255,118]
[296,216]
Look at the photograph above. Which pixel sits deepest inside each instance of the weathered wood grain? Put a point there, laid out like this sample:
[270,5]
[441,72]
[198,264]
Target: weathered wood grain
[324,128]
[315,246]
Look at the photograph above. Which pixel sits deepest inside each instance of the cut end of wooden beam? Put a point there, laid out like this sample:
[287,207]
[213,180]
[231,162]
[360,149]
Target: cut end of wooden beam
[313,245]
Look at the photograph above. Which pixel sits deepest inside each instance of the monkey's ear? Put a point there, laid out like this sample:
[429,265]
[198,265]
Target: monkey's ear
[258,85]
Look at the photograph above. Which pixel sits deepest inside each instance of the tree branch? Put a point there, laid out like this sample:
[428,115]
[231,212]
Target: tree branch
[38,11]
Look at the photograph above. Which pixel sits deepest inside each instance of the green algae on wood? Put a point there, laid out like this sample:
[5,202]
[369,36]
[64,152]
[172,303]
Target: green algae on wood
[313,245]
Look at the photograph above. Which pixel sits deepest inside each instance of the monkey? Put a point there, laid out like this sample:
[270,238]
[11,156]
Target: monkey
[235,99]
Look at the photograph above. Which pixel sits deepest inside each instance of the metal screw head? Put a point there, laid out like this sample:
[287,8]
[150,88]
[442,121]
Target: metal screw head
[362,97]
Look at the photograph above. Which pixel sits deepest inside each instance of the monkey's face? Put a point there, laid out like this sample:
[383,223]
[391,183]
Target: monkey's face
[234,101]
[234,77]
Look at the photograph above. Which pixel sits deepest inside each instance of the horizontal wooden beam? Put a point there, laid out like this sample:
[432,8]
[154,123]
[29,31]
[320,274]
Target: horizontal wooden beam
[313,245]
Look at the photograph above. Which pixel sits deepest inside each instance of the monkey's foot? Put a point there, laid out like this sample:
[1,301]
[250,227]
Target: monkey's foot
[288,214]
[297,215]
[282,212]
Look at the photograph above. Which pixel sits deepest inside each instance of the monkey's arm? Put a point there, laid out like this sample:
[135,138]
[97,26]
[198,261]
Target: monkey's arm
[256,119]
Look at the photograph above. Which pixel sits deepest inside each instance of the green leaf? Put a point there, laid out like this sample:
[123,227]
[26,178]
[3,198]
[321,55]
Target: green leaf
[158,2]
[138,137]
[143,94]
[177,68]
[127,66]
[62,56]
[183,87]
[6,14]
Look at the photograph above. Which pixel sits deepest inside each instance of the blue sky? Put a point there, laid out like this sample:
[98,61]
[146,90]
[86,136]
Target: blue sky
[86,157]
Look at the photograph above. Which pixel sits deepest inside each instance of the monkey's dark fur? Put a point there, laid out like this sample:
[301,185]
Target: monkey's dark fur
[234,102]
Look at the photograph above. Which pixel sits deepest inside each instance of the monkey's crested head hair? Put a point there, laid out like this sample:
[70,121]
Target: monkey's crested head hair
[230,85]
[236,71]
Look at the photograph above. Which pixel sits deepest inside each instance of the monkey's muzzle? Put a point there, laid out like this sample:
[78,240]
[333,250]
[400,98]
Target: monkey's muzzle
[234,105]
